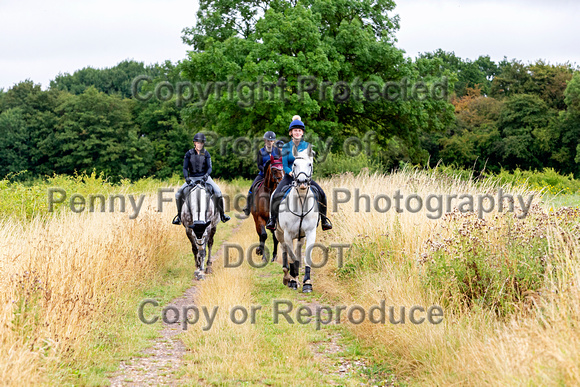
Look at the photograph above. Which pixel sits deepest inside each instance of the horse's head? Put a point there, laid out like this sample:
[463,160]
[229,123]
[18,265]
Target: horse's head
[201,210]
[276,170]
[302,168]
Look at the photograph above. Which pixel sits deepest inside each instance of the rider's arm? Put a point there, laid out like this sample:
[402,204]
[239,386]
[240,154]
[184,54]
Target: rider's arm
[186,165]
[286,154]
[208,160]
[259,161]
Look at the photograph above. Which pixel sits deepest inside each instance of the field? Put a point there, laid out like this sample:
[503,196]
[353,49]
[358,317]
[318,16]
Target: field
[507,284]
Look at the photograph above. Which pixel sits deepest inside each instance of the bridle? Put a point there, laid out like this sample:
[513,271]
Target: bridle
[295,183]
[275,179]
[271,181]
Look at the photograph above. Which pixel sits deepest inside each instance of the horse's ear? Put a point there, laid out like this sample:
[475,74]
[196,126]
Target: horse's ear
[309,151]
[294,151]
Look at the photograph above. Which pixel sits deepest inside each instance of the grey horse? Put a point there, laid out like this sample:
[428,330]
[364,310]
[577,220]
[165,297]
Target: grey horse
[200,218]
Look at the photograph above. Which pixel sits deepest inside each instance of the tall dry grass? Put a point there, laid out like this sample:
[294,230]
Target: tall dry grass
[535,344]
[63,273]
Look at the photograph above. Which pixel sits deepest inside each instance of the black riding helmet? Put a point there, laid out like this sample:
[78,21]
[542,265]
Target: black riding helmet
[269,135]
[199,137]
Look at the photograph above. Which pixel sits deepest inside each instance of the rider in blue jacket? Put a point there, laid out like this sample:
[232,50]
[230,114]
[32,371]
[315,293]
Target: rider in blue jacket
[263,157]
[296,132]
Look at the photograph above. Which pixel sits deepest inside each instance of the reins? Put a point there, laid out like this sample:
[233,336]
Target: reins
[303,215]
[294,183]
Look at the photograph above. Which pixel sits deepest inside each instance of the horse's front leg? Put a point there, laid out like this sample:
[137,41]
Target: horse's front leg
[208,269]
[194,250]
[200,261]
[310,240]
[294,261]
[263,236]
[275,253]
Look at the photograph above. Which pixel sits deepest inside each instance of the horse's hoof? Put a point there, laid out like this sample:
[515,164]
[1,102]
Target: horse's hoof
[287,277]
[199,275]
[259,251]
[293,285]
[208,270]
[307,288]
[274,258]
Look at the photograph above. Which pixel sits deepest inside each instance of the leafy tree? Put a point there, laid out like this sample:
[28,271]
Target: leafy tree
[2,94]
[14,142]
[549,83]
[37,111]
[114,80]
[527,129]
[160,121]
[472,141]
[511,79]
[96,130]
[470,74]
[219,20]
[544,80]
[568,154]
[278,42]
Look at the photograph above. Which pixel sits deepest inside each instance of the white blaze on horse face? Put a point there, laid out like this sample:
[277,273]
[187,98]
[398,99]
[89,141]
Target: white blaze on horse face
[198,205]
[302,169]
[199,213]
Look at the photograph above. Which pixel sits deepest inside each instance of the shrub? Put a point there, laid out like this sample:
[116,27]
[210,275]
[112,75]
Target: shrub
[548,180]
[493,264]
[336,164]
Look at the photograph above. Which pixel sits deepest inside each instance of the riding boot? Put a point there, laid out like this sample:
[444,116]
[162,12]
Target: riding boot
[220,206]
[276,200]
[177,219]
[326,225]
[248,206]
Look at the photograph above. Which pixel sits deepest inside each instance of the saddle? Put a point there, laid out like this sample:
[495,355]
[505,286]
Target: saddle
[189,188]
[257,186]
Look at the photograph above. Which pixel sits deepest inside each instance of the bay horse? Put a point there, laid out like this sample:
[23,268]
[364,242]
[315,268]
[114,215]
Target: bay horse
[273,174]
[298,219]
[200,217]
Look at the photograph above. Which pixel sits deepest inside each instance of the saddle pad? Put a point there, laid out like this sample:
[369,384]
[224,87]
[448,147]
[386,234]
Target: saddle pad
[188,189]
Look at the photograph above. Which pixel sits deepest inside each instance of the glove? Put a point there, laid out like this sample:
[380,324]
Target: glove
[188,180]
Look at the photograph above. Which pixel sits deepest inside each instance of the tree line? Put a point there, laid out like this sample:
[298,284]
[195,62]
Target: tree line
[503,115]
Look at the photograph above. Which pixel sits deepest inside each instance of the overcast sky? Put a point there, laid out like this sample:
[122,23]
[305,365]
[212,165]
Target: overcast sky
[39,39]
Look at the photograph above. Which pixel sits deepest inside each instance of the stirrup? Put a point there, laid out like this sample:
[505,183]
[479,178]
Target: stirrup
[271,225]
[176,220]
[326,225]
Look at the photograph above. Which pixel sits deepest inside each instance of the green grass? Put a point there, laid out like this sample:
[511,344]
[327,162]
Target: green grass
[288,360]
[562,200]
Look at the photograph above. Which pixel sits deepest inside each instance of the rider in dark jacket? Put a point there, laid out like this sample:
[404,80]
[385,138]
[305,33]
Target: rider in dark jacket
[197,166]
[263,157]
[296,132]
